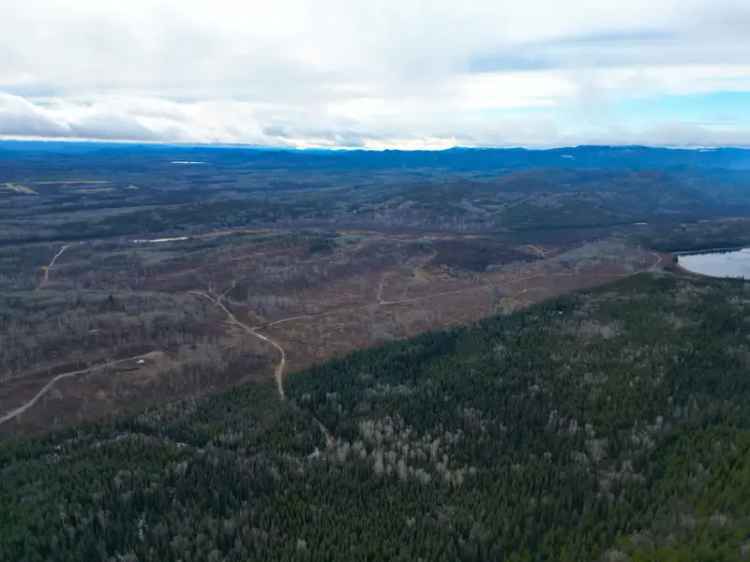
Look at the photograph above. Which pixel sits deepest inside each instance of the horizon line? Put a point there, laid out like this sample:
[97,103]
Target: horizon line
[343,149]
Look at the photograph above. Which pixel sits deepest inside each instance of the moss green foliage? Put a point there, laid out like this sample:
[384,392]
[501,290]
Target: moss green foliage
[609,425]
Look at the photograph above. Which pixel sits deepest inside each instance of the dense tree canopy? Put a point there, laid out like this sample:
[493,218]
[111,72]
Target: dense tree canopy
[608,425]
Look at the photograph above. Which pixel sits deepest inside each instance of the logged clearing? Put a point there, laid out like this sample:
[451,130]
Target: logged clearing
[302,300]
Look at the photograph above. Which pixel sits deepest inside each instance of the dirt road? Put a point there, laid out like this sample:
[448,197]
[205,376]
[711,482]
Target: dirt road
[380,301]
[658,263]
[47,268]
[381,286]
[253,331]
[47,387]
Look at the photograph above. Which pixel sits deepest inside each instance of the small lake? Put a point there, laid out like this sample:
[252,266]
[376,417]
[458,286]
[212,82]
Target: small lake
[731,263]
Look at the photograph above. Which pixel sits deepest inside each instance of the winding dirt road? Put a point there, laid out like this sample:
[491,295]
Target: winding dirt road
[46,269]
[330,440]
[253,331]
[327,435]
[280,366]
[658,263]
[47,387]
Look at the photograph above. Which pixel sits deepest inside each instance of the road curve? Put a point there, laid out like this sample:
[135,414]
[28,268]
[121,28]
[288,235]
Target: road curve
[47,387]
[280,366]
[45,277]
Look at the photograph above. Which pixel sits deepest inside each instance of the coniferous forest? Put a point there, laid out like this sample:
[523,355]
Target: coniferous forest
[606,425]
[392,281]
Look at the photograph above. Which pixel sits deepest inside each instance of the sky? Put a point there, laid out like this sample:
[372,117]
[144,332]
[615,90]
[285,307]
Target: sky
[407,74]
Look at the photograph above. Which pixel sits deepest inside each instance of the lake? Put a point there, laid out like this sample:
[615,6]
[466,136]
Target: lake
[733,263]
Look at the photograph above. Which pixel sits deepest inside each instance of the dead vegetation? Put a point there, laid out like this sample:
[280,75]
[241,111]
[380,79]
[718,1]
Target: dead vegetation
[303,297]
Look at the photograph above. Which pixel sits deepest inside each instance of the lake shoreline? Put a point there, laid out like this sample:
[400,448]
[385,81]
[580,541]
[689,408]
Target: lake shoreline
[719,250]
[720,263]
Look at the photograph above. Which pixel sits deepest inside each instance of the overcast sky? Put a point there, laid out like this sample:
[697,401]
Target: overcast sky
[383,74]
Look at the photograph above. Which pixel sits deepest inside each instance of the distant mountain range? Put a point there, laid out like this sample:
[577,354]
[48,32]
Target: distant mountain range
[579,157]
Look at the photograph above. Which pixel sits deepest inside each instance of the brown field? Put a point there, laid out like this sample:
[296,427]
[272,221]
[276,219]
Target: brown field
[222,308]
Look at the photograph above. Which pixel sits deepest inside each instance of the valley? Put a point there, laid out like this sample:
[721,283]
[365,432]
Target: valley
[364,289]
[284,356]
[105,258]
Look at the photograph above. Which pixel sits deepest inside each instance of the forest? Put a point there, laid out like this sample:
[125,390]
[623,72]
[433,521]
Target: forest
[362,356]
[609,424]
[52,192]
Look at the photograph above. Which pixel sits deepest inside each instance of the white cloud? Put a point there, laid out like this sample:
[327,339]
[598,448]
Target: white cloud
[334,73]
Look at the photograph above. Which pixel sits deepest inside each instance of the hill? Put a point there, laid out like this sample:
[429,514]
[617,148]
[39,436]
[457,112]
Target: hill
[610,424]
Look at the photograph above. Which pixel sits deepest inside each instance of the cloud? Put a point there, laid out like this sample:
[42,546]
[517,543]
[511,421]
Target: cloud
[348,73]
[23,118]
[153,119]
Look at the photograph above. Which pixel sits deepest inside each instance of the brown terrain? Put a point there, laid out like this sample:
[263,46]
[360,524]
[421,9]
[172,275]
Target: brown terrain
[261,304]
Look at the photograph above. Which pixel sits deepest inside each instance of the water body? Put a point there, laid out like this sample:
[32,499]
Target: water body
[732,263]
[161,240]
